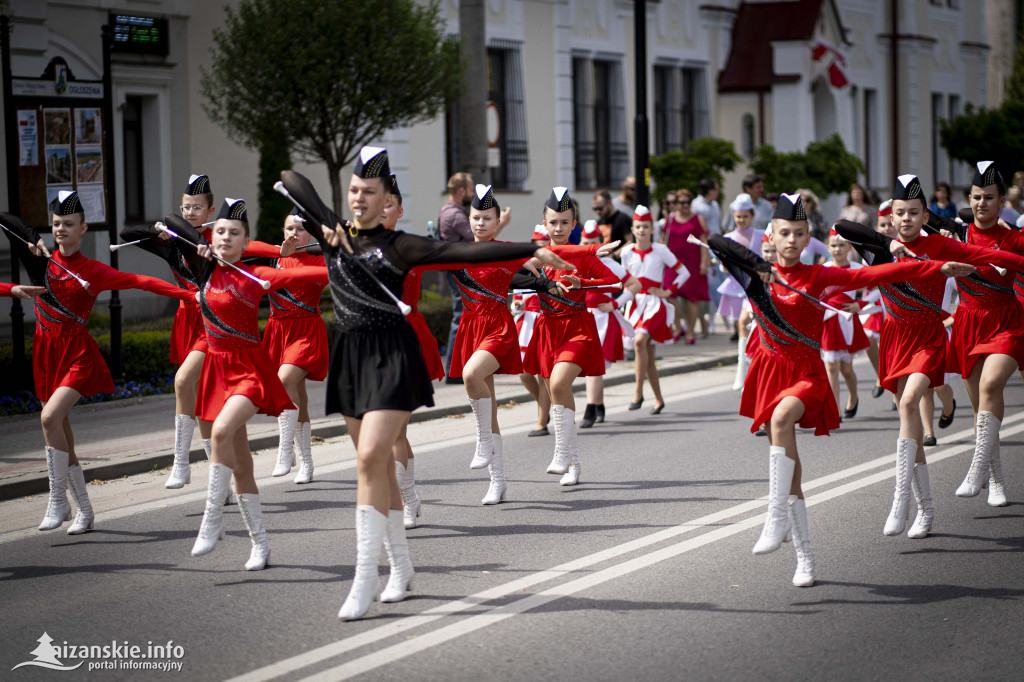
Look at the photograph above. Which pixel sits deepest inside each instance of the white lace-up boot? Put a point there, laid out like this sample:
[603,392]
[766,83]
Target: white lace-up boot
[804,576]
[996,489]
[207,447]
[777,524]
[496,489]
[987,443]
[561,417]
[304,444]
[286,422]
[742,363]
[181,472]
[58,509]
[484,437]
[252,517]
[923,494]
[572,474]
[85,516]
[212,527]
[410,498]
[397,547]
[906,451]
[371,526]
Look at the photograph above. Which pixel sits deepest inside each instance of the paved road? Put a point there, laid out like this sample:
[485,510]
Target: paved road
[643,572]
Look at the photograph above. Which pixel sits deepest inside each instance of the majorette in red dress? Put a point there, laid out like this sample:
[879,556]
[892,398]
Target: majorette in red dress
[788,360]
[989,319]
[428,344]
[913,339]
[63,351]
[646,312]
[295,333]
[486,323]
[236,362]
[565,331]
[841,339]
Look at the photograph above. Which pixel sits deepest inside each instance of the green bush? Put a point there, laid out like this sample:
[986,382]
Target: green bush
[437,310]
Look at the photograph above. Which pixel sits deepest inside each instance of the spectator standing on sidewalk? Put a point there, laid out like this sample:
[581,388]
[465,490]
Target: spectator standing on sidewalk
[453,226]
[625,203]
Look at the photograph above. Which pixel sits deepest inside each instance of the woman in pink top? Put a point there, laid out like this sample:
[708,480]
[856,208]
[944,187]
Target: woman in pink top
[680,225]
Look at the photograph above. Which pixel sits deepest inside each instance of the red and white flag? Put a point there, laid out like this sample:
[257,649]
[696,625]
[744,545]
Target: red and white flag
[833,60]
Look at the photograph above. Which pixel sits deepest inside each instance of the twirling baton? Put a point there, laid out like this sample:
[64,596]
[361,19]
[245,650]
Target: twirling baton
[842,313]
[262,282]
[85,285]
[115,247]
[402,305]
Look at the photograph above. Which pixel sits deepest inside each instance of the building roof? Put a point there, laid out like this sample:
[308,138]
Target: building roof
[757,26]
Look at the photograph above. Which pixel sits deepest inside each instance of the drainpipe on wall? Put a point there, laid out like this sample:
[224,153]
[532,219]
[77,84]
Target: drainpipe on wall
[894,55]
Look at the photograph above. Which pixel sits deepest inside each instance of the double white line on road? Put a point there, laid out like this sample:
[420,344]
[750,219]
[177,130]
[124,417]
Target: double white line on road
[497,614]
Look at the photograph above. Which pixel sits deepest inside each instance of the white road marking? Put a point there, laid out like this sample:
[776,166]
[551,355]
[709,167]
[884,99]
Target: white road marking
[424,641]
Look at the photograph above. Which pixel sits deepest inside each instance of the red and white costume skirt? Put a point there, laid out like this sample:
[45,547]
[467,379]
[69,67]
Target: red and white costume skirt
[841,339]
[652,315]
[299,340]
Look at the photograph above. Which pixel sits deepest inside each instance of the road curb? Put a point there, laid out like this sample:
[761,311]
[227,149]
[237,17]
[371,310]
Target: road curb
[102,472]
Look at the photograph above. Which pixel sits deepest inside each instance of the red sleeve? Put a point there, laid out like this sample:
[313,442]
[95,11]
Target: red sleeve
[280,279]
[593,273]
[257,249]
[5,289]
[973,254]
[829,279]
[565,250]
[106,278]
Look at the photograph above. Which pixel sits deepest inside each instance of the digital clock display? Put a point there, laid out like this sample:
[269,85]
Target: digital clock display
[139,35]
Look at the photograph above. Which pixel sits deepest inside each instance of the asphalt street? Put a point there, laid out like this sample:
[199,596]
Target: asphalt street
[642,572]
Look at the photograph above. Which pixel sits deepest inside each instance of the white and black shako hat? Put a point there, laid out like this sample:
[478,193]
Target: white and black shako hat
[560,200]
[233,209]
[483,198]
[790,207]
[372,162]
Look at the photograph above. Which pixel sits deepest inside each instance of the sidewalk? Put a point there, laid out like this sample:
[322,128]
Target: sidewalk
[127,437]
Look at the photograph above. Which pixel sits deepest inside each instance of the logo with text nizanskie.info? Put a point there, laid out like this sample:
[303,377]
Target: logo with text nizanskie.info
[113,656]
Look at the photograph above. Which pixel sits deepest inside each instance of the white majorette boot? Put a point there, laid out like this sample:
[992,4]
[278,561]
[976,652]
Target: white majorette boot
[208,447]
[572,474]
[397,547]
[780,479]
[304,444]
[286,422]
[212,527]
[410,498]
[496,490]
[58,509]
[252,517]
[804,576]
[371,526]
[742,363]
[923,494]
[561,417]
[987,441]
[996,489]
[484,437]
[906,451]
[181,472]
[85,517]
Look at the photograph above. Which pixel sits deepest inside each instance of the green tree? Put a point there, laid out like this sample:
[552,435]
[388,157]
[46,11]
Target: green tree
[987,134]
[274,158]
[328,77]
[825,168]
[706,157]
